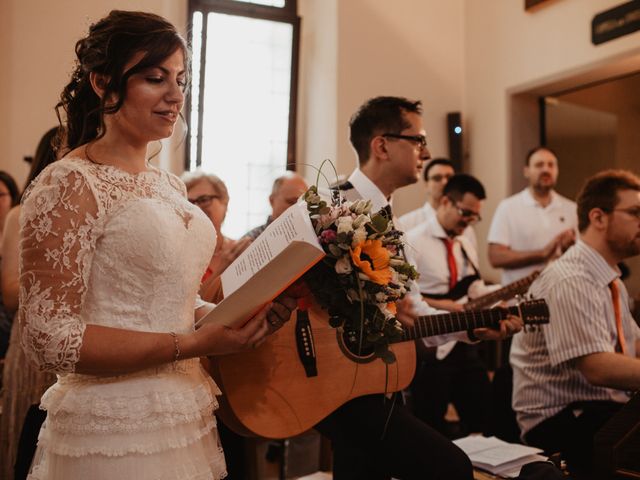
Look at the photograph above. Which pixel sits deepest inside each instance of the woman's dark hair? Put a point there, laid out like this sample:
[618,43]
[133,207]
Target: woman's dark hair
[45,154]
[110,45]
[11,186]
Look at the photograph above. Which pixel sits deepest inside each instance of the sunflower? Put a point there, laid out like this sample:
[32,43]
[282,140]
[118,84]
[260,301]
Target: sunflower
[373,260]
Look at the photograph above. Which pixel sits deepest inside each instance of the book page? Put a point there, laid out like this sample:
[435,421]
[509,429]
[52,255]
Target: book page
[293,224]
[281,255]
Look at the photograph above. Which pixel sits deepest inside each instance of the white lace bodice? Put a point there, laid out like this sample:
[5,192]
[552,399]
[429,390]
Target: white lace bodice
[102,246]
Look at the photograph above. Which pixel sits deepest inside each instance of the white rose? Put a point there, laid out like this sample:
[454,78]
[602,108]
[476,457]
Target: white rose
[359,235]
[345,224]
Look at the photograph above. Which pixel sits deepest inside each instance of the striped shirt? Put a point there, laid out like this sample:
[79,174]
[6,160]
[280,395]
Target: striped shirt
[582,322]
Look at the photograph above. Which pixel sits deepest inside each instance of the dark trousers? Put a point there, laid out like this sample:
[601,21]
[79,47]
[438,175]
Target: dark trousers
[571,432]
[233,446]
[374,438]
[460,378]
[28,441]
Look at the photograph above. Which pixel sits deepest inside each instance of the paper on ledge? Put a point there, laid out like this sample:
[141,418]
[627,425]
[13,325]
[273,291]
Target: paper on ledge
[497,456]
[278,257]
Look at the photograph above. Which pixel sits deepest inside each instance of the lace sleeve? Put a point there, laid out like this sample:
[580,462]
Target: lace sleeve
[58,220]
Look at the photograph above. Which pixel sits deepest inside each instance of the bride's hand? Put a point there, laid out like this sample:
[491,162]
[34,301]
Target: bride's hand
[215,339]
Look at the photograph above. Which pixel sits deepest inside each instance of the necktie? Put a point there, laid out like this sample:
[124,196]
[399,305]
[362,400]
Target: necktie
[451,260]
[615,297]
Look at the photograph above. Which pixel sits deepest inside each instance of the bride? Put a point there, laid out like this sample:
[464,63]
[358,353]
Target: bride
[111,258]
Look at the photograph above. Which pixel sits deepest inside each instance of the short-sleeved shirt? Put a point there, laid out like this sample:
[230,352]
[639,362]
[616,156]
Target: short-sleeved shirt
[522,224]
[582,322]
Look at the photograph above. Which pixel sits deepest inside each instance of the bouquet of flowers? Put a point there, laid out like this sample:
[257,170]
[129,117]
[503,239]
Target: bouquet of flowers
[363,274]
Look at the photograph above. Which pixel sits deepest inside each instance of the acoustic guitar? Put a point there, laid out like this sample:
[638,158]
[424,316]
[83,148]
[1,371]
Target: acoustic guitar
[308,369]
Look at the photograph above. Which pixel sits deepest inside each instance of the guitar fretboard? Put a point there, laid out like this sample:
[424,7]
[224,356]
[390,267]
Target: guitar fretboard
[430,325]
[505,293]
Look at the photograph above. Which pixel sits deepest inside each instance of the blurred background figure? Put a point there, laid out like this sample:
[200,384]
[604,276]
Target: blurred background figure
[209,192]
[9,197]
[285,192]
[23,383]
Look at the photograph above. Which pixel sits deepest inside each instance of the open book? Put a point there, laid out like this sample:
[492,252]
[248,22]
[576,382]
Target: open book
[498,457]
[277,258]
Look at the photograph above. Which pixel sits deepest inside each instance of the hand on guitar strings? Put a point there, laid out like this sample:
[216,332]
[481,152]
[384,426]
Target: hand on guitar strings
[508,327]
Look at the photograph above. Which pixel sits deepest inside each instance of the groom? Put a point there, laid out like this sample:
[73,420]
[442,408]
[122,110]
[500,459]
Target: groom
[373,438]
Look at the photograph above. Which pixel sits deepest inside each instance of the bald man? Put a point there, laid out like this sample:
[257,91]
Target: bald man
[285,192]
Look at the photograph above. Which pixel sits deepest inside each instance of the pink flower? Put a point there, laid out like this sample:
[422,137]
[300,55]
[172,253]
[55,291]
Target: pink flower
[328,236]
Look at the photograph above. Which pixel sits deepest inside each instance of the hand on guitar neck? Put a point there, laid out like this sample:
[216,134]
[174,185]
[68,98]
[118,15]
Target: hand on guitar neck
[508,327]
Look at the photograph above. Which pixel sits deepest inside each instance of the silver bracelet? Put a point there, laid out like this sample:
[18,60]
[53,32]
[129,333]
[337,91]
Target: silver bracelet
[176,345]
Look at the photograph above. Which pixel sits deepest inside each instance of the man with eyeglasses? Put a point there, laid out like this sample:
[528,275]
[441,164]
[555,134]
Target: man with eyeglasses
[447,263]
[435,174]
[374,438]
[573,374]
[534,226]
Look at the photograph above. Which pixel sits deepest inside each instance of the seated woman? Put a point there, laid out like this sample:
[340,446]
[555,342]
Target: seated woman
[209,192]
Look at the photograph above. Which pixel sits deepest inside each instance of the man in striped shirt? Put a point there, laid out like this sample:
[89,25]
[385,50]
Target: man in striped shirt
[576,372]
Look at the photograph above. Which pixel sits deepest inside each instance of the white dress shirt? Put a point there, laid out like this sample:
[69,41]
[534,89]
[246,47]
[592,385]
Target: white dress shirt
[429,252]
[419,216]
[522,224]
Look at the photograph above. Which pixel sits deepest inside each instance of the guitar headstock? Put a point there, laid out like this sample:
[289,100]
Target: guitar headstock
[533,312]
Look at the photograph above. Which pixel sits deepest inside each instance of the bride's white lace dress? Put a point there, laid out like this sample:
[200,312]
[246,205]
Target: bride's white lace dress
[104,247]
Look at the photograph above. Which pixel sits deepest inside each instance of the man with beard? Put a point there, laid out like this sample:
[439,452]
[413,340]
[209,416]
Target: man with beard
[576,372]
[447,263]
[533,226]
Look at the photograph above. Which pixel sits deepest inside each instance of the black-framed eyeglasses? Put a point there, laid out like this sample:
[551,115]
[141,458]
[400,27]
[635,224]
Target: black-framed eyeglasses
[632,211]
[203,200]
[421,140]
[470,215]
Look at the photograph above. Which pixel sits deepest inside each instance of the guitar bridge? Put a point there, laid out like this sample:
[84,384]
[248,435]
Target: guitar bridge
[304,342]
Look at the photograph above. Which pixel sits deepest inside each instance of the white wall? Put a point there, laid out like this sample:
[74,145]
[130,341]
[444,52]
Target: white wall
[508,50]
[38,39]
[376,47]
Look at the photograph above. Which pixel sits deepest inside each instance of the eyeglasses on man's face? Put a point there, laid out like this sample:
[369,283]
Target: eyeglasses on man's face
[469,215]
[204,200]
[420,140]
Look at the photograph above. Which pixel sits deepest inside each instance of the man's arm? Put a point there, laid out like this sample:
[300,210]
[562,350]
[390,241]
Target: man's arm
[502,256]
[611,370]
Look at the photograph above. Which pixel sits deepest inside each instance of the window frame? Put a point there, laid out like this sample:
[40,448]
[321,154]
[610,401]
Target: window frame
[285,14]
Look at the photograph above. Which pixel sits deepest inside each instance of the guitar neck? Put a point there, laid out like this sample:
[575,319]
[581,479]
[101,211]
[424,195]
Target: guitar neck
[440,324]
[505,293]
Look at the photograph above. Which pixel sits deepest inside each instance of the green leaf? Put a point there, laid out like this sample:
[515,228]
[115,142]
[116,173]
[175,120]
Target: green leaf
[379,223]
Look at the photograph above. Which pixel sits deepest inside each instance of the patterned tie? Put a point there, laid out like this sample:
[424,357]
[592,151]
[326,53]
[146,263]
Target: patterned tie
[615,297]
[451,260]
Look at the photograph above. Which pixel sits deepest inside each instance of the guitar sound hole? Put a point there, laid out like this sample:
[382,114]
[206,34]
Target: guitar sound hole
[349,341]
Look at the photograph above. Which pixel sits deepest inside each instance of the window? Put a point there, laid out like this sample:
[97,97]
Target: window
[242,101]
